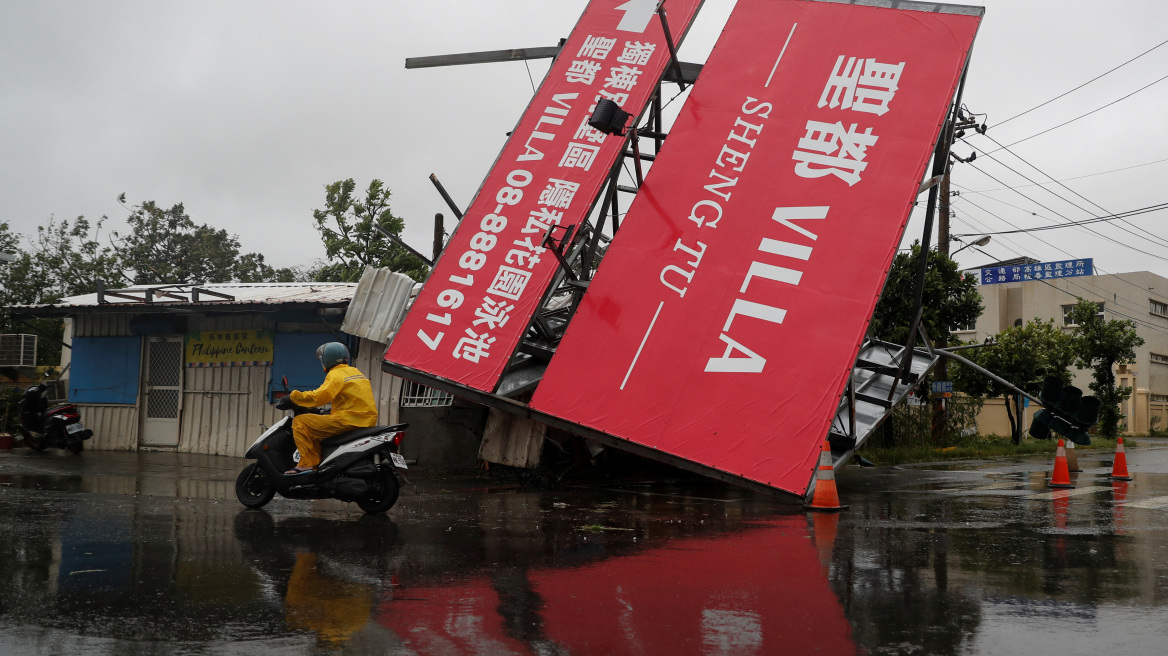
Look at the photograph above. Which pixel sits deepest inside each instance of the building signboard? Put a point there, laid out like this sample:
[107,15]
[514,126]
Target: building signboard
[1038,271]
[229,348]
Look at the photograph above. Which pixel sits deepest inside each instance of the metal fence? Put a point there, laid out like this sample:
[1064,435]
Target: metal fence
[417,395]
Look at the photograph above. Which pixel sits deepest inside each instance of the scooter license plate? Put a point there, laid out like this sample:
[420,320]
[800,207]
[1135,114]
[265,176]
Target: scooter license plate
[74,428]
[398,460]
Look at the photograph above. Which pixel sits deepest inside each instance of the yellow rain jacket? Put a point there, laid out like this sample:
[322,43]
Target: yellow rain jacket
[352,407]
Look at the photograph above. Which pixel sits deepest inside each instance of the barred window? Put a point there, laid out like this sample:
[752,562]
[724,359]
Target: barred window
[1158,308]
[1157,357]
[1067,314]
[417,395]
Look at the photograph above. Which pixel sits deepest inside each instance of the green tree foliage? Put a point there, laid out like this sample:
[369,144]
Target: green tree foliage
[1025,356]
[1101,344]
[61,259]
[164,246]
[351,242]
[161,246]
[950,298]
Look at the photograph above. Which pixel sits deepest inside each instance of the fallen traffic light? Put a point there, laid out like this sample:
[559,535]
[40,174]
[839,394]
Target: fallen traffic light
[1067,412]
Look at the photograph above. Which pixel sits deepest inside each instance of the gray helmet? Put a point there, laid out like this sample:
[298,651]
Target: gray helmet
[332,354]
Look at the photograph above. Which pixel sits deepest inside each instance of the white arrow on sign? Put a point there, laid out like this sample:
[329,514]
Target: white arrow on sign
[638,13]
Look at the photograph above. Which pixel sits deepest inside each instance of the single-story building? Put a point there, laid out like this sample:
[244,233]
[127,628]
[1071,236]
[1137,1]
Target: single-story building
[197,368]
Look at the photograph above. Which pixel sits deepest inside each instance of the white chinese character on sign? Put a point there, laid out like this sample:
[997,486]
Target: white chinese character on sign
[539,220]
[474,346]
[830,149]
[637,53]
[596,47]
[862,85]
[493,313]
[877,87]
[582,71]
[516,256]
[588,132]
[622,77]
[509,283]
[841,84]
[618,98]
[559,193]
[579,156]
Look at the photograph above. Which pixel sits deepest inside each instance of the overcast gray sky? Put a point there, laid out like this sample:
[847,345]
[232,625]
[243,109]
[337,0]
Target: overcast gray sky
[245,110]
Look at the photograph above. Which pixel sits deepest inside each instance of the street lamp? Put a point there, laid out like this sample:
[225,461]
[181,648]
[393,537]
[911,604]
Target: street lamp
[982,241]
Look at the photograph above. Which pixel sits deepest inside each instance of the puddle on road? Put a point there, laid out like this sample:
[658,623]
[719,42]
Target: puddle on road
[614,568]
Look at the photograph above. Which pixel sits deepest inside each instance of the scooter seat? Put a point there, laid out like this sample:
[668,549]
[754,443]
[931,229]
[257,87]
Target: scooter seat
[356,434]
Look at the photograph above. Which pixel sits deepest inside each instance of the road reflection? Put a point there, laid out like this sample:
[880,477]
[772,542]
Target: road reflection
[915,566]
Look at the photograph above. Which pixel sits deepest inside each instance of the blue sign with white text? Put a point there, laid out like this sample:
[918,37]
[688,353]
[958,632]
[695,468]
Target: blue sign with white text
[1038,271]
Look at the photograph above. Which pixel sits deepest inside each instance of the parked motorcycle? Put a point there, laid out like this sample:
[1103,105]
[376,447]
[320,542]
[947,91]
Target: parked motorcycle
[42,426]
[361,466]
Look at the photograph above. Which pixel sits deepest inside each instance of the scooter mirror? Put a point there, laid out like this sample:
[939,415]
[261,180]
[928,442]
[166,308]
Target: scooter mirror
[285,379]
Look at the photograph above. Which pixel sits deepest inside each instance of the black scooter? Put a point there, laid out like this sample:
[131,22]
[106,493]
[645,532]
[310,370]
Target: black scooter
[58,427]
[361,466]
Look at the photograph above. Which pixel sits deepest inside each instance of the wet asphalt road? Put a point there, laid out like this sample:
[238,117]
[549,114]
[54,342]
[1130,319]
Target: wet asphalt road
[149,553]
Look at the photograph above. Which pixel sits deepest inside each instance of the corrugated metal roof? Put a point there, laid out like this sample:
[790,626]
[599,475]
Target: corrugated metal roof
[378,304]
[243,293]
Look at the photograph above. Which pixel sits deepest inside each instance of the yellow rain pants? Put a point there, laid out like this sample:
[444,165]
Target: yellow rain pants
[332,608]
[351,396]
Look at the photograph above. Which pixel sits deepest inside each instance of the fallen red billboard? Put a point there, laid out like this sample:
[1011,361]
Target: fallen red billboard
[477,303]
[728,311]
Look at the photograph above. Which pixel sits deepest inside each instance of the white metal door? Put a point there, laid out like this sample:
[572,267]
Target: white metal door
[162,391]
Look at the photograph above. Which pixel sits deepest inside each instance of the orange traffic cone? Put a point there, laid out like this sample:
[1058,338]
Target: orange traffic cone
[1119,469]
[1119,500]
[1072,458]
[826,498]
[823,530]
[1061,476]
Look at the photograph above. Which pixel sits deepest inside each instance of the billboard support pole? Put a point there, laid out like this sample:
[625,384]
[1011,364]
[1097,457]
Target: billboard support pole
[940,162]
[672,47]
[446,197]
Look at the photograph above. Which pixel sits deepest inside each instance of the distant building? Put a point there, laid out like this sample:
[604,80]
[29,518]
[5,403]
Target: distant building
[1140,296]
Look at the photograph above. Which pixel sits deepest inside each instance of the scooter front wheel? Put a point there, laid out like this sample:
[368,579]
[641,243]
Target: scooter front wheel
[384,495]
[252,488]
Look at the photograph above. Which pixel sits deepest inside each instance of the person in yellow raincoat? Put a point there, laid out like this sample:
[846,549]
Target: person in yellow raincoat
[351,396]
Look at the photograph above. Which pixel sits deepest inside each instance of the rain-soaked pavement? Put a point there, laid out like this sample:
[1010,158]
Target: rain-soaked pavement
[149,553]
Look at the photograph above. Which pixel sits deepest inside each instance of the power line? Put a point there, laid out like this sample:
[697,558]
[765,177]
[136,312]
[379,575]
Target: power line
[1089,230]
[1015,143]
[1084,84]
[1072,224]
[1100,207]
[1043,184]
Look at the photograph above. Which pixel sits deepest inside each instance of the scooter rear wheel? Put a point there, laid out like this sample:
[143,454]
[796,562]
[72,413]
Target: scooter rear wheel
[252,488]
[74,446]
[34,442]
[384,495]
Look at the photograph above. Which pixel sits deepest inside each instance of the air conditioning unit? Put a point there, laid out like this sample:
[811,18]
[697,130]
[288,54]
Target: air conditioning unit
[18,350]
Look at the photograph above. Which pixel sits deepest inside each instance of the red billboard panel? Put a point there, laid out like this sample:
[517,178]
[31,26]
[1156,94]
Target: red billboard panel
[727,314]
[772,597]
[477,303]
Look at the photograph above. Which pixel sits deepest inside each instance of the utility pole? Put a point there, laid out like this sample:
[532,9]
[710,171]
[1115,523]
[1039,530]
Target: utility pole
[940,406]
